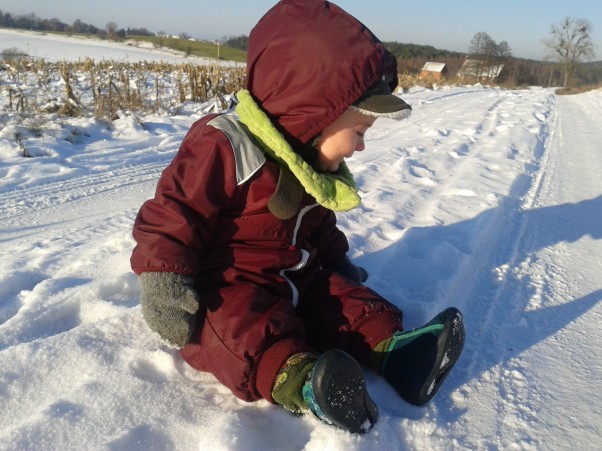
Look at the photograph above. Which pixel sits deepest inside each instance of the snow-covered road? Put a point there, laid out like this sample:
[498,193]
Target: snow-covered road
[534,358]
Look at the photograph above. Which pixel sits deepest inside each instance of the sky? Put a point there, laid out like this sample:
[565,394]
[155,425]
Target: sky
[449,25]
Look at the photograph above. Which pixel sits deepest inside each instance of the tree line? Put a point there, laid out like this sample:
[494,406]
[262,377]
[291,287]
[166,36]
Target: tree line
[33,22]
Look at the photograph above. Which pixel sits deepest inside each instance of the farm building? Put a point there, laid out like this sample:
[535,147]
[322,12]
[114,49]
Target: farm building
[434,71]
[480,70]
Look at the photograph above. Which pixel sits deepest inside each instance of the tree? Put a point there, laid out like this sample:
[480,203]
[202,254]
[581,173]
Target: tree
[570,44]
[488,55]
[504,50]
[54,25]
[237,42]
[78,26]
[27,22]
[111,29]
[138,32]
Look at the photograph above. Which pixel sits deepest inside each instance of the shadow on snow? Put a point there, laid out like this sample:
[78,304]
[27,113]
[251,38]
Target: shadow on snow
[431,268]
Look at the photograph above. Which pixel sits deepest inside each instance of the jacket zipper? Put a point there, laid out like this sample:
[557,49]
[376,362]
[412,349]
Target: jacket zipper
[304,255]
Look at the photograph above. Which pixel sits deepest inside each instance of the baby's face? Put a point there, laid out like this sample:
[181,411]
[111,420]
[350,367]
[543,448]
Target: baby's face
[342,138]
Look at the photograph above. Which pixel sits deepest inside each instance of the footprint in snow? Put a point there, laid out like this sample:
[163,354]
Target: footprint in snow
[422,173]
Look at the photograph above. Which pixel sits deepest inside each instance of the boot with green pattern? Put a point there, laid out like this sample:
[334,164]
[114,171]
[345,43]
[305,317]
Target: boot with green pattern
[416,362]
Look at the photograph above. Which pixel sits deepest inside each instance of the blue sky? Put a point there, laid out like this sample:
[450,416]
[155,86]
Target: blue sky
[443,24]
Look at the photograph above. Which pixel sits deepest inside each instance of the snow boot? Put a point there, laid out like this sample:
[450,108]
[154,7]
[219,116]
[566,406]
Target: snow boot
[418,361]
[336,393]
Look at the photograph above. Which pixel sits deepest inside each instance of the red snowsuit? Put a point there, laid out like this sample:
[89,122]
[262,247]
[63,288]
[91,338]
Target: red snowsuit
[266,284]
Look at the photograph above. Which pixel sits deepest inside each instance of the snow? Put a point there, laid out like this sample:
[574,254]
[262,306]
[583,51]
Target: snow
[485,199]
[54,47]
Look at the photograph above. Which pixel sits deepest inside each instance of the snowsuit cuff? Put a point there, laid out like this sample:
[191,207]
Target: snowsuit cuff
[272,361]
[380,327]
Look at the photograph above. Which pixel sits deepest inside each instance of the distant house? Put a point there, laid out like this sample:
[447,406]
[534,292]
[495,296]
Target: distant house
[480,70]
[434,71]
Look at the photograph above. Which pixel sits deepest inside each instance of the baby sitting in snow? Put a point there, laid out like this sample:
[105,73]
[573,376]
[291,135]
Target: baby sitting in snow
[241,264]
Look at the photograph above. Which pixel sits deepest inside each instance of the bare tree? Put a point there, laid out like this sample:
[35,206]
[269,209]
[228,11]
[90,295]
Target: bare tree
[111,29]
[504,51]
[488,54]
[480,47]
[570,44]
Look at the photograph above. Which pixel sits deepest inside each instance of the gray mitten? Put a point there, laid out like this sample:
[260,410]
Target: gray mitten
[347,269]
[170,305]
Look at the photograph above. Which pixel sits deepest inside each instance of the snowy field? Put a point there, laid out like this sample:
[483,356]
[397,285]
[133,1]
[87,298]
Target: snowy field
[53,48]
[485,199]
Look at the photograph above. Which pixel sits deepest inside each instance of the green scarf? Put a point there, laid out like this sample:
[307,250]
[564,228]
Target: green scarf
[334,191]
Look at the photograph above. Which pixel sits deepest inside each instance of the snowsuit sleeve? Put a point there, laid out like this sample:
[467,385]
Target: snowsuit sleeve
[171,229]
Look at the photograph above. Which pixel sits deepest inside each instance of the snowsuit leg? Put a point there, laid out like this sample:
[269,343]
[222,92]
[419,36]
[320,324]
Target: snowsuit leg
[249,332]
[241,323]
[341,314]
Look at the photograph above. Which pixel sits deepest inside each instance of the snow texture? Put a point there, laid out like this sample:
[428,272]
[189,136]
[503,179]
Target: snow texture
[489,200]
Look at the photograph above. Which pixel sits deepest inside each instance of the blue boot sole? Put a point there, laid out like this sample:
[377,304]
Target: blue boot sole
[339,390]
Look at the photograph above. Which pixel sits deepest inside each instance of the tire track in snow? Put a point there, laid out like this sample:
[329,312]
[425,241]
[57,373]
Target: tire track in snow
[19,205]
[524,297]
[491,301]
[446,259]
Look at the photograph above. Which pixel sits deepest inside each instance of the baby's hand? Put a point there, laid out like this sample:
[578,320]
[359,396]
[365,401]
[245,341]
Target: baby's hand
[169,306]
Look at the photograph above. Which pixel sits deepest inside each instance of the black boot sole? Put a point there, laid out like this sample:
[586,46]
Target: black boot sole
[444,356]
[339,389]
